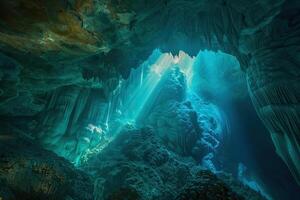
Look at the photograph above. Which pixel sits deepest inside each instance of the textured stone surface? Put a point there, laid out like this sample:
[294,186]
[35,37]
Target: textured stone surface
[137,161]
[187,125]
[29,172]
[63,125]
[206,185]
[138,166]
[273,80]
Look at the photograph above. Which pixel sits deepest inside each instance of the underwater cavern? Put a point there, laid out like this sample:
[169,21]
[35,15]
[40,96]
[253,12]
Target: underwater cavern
[149,100]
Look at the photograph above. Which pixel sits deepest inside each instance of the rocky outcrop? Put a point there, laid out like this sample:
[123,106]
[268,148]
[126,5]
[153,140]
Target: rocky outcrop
[29,172]
[187,125]
[136,161]
[137,165]
[206,185]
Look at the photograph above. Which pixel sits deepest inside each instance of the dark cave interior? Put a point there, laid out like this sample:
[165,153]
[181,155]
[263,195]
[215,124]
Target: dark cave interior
[150,99]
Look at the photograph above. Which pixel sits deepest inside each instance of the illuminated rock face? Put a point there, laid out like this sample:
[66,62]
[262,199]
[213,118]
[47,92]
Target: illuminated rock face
[64,126]
[187,124]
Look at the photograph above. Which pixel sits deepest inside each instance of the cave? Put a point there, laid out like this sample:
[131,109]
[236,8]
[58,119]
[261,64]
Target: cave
[150,100]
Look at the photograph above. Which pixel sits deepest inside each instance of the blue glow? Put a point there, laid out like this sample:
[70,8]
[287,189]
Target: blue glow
[137,94]
[185,99]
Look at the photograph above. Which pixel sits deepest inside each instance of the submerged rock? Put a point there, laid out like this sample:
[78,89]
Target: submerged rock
[30,172]
[207,186]
[138,166]
[136,161]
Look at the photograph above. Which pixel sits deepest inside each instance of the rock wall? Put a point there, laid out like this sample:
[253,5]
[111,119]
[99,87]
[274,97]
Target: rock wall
[29,172]
[273,81]
[65,126]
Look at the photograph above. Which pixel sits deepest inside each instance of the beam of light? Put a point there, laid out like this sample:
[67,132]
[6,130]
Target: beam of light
[186,65]
[176,59]
[140,95]
[108,113]
[141,84]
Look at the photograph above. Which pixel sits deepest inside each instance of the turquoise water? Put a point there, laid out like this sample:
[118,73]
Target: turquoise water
[199,106]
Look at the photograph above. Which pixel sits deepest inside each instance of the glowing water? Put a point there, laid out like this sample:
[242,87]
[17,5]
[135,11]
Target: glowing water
[108,114]
[142,76]
[215,77]
[132,96]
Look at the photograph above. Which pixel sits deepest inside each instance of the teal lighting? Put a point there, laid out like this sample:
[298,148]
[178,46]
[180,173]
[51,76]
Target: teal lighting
[135,96]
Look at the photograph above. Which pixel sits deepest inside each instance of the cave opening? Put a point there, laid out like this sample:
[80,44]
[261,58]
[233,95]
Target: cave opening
[196,106]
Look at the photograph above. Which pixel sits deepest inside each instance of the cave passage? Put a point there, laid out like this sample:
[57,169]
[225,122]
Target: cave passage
[196,105]
[176,122]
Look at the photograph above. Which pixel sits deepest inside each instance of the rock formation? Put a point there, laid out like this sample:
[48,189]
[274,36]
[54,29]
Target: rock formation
[30,172]
[137,164]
